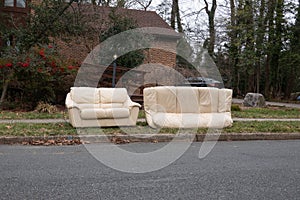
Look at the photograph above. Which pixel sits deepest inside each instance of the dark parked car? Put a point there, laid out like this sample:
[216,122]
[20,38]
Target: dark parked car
[202,82]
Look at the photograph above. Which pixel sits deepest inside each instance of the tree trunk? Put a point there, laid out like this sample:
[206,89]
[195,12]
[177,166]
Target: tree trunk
[211,21]
[233,49]
[259,43]
[121,3]
[4,91]
[277,80]
[270,23]
[175,16]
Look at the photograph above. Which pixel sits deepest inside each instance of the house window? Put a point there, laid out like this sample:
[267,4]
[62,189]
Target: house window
[9,3]
[21,3]
[15,3]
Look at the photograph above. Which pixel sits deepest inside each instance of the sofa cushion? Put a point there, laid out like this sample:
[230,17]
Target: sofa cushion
[109,113]
[208,100]
[85,95]
[150,99]
[86,106]
[111,105]
[166,99]
[113,95]
[225,99]
[187,100]
[192,120]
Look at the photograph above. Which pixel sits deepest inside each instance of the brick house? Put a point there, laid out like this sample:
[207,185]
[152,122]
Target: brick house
[76,49]
[167,39]
[16,9]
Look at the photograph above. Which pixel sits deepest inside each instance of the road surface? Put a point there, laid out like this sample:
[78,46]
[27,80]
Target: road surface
[233,170]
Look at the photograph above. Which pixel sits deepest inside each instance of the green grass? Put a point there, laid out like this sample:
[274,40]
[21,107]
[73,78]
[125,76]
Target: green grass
[24,129]
[237,112]
[142,114]
[31,115]
[269,112]
[264,127]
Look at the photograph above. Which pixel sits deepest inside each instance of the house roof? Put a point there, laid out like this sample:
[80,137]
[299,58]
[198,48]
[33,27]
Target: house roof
[142,18]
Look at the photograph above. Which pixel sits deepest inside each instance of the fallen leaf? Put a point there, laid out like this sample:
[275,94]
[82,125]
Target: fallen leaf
[8,127]
[118,140]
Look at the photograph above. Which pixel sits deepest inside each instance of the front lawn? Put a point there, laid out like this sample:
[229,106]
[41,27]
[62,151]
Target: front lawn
[10,115]
[25,129]
[268,112]
[30,129]
[241,112]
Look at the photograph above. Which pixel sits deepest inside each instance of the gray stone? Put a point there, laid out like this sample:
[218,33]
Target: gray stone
[254,100]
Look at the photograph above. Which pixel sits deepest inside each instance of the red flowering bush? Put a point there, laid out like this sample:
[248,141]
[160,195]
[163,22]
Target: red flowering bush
[8,65]
[39,74]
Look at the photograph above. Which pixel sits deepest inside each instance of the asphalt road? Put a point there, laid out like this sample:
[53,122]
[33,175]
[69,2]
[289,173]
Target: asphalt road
[232,170]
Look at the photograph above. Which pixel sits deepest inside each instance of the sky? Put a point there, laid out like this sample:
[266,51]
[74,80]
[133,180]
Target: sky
[201,21]
[187,7]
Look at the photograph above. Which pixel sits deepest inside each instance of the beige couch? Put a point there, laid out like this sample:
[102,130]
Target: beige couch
[100,107]
[187,107]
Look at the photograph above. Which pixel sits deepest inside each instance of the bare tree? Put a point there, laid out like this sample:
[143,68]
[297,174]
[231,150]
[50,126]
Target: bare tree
[143,3]
[175,16]
[211,21]
[101,2]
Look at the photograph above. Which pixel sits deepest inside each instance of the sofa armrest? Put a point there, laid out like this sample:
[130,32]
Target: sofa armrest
[130,104]
[70,103]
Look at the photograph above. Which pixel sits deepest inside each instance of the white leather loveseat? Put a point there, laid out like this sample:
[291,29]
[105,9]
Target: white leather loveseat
[101,107]
[187,107]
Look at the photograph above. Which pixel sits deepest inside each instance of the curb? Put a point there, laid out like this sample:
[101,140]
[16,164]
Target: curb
[121,139]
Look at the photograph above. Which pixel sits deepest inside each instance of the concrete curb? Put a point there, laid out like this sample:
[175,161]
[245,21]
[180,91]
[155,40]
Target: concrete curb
[121,139]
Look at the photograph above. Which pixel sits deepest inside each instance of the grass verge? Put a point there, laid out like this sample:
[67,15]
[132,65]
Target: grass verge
[7,115]
[237,112]
[24,129]
[268,112]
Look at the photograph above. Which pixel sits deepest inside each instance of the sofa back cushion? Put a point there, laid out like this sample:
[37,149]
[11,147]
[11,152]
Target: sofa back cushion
[171,99]
[113,95]
[150,99]
[113,113]
[225,99]
[85,95]
[166,99]
[208,100]
[187,100]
